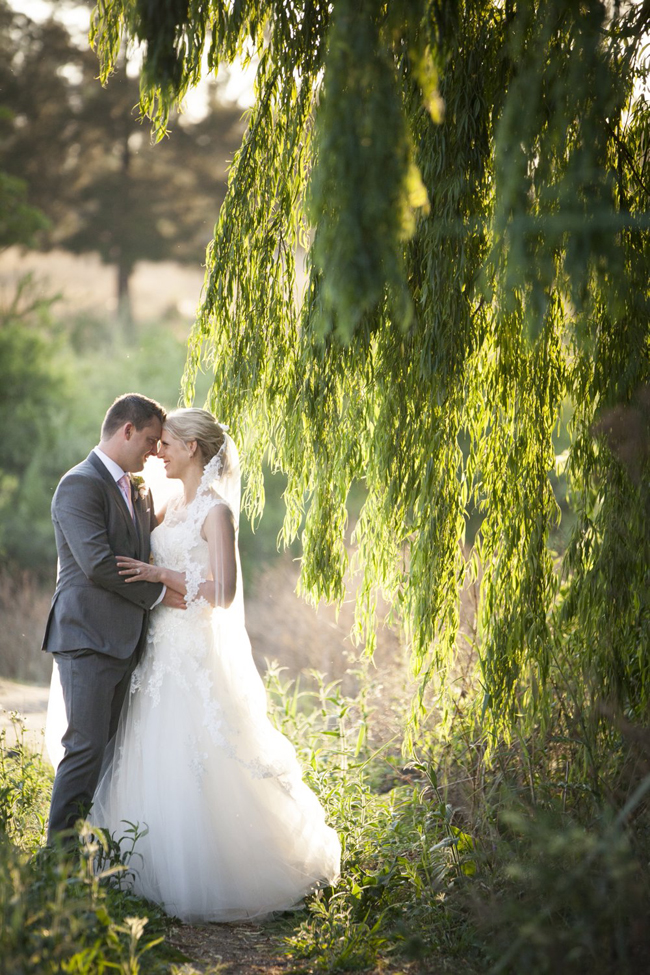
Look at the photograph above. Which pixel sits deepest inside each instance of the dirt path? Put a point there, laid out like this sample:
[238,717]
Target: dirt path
[229,949]
[251,949]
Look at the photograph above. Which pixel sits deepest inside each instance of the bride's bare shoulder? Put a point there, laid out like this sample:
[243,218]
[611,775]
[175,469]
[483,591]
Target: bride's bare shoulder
[218,515]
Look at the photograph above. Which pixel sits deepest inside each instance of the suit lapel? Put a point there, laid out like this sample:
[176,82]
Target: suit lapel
[139,507]
[116,494]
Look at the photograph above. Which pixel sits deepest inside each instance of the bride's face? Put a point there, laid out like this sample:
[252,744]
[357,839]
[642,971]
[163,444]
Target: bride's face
[175,454]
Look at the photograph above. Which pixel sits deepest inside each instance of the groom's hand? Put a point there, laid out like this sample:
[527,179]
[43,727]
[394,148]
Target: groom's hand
[174,599]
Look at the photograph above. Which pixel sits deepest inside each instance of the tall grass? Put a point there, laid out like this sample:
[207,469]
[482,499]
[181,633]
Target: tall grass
[401,851]
[24,605]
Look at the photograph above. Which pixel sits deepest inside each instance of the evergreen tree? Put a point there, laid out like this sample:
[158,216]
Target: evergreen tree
[470,179]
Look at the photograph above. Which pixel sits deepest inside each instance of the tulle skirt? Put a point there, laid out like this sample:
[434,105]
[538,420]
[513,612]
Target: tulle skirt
[228,829]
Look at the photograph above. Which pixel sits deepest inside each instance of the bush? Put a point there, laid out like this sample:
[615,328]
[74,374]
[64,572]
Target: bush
[566,899]
[58,913]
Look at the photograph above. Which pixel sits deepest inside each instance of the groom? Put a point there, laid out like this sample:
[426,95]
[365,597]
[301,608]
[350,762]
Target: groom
[97,623]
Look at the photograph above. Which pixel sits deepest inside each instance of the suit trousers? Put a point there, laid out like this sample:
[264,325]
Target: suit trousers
[94,688]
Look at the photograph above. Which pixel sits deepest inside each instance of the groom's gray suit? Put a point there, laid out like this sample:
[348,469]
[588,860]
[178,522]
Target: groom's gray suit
[97,623]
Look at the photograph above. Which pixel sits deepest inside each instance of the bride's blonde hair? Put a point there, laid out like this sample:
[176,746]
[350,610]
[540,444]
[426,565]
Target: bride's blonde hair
[194,424]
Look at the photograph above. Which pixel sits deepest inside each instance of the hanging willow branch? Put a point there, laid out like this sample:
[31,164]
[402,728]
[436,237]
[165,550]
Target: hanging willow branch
[468,180]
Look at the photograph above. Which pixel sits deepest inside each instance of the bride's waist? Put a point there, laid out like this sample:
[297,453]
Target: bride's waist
[196,609]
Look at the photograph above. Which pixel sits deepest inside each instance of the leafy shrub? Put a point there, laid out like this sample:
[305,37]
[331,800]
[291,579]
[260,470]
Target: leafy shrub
[566,898]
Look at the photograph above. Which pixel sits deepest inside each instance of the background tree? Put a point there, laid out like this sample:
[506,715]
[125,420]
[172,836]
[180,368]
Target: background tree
[88,162]
[32,385]
[470,273]
[19,223]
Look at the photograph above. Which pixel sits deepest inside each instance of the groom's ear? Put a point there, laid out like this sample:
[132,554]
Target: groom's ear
[128,429]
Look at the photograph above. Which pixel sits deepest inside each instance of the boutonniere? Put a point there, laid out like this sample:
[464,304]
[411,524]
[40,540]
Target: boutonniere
[140,486]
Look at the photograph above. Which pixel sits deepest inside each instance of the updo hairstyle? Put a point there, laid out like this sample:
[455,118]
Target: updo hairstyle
[193,424]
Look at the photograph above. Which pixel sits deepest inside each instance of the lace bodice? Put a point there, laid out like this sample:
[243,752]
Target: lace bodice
[178,544]
[179,641]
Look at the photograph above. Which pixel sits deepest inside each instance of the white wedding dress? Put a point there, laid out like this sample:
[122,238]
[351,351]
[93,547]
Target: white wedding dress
[230,830]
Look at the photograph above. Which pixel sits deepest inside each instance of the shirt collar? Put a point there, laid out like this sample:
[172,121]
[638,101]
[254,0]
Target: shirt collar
[113,469]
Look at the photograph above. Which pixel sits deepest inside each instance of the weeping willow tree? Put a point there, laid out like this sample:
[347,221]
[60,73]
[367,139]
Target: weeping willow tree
[470,182]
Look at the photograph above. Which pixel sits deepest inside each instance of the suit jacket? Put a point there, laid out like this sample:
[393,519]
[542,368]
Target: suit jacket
[93,607]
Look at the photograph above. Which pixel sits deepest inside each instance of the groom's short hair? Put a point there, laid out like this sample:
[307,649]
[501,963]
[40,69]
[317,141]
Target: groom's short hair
[131,408]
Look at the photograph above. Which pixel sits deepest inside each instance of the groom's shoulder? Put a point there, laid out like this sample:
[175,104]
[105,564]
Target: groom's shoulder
[84,468]
[83,472]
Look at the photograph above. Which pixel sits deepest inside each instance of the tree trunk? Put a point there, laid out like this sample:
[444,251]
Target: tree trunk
[124,264]
[124,310]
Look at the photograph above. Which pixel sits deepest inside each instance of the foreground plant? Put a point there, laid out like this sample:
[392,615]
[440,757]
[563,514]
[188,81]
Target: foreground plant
[63,910]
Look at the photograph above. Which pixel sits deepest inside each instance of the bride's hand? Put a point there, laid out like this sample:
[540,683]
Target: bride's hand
[136,571]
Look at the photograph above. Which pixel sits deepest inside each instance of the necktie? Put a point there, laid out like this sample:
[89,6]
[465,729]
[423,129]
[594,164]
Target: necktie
[125,488]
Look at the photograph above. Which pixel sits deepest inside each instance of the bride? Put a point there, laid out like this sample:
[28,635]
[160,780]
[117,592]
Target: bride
[232,831]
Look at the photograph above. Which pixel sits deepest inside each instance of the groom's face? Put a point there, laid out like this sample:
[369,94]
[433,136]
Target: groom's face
[140,444]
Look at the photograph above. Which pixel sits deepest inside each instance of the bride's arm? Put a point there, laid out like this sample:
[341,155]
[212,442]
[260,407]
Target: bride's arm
[136,571]
[219,532]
